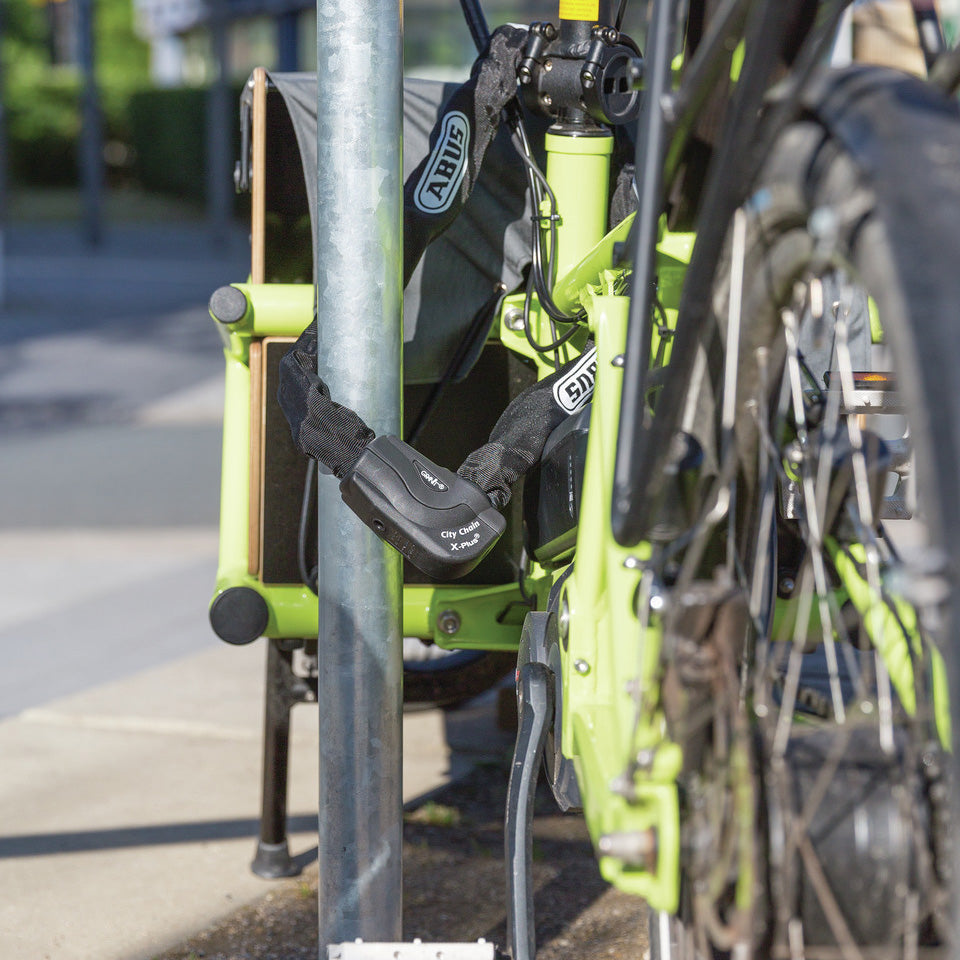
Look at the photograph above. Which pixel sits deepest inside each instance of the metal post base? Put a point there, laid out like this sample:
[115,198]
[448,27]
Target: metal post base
[273,861]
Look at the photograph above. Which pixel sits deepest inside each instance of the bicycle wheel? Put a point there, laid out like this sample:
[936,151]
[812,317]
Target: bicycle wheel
[816,739]
[445,678]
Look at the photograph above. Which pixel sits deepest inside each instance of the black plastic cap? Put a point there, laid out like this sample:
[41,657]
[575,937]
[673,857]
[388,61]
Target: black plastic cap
[228,305]
[239,615]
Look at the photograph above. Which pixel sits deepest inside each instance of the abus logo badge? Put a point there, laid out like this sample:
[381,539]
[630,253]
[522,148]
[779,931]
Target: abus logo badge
[443,175]
[575,388]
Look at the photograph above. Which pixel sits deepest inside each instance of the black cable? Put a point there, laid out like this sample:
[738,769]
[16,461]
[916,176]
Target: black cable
[535,179]
[476,24]
[556,350]
[621,10]
[308,577]
[528,333]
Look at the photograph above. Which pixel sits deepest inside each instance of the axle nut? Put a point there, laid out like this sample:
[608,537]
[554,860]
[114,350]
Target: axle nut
[448,622]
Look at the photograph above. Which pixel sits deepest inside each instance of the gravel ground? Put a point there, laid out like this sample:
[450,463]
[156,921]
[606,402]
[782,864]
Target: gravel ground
[454,888]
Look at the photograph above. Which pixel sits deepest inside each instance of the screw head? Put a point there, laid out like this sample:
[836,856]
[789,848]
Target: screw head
[582,667]
[448,622]
[513,319]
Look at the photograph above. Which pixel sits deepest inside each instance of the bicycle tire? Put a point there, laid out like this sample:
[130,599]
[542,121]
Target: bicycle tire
[838,737]
[456,678]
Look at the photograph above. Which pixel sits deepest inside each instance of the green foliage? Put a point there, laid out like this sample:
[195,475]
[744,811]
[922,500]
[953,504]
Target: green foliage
[435,815]
[43,125]
[168,135]
[167,132]
[42,99]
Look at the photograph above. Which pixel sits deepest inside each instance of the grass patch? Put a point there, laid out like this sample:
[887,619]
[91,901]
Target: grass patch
[434,815]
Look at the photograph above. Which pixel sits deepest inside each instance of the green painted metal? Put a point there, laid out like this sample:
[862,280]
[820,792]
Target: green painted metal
[608,655]
[894,630]
[489,618]
[514,339]
[234,487]
[578,170]
[275,309]
[486,618]
[570,287]
[876,327]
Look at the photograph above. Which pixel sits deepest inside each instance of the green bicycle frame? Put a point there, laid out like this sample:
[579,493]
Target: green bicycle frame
[608,658]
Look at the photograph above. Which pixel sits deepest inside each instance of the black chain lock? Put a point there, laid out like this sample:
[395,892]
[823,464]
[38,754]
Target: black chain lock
[444,525]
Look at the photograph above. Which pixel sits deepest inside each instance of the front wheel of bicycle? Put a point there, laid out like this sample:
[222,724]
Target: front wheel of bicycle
[816,784]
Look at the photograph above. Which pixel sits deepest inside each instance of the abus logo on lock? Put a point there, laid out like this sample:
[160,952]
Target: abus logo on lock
[443,175]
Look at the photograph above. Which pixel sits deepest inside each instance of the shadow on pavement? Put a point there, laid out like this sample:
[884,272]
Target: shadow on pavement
[85,841]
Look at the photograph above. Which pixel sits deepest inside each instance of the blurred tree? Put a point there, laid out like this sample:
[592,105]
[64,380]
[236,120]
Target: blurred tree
[42,97]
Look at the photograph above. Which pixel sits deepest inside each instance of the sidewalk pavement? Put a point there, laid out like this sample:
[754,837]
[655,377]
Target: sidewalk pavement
[130,811]
[129,736]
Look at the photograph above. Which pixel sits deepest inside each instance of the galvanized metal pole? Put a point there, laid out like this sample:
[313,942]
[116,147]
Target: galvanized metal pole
[359,302]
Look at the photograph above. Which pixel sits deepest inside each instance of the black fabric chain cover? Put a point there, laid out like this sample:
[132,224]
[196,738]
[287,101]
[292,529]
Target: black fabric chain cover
[434,194]
[336,436]
[326,431]
[437,190]
[517,439]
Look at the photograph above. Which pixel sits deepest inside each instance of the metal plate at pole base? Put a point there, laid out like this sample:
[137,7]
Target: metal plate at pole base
[358,950]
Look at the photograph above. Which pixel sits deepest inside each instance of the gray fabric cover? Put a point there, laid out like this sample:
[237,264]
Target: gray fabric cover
[489,243]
